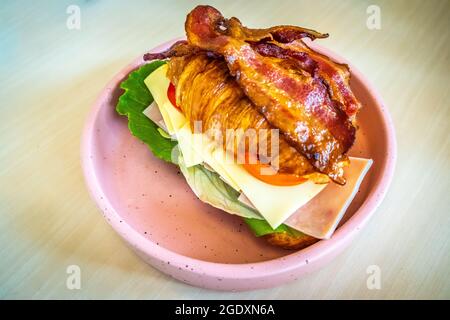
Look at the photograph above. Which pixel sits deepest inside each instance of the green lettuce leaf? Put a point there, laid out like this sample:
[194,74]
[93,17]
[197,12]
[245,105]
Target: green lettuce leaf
[132,103]
[164,134]
[262,228]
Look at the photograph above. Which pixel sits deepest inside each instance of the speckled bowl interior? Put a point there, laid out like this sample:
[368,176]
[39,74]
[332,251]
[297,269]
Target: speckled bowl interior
[149,203]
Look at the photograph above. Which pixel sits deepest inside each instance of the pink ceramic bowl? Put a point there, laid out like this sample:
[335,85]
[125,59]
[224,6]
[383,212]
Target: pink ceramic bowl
[150,205]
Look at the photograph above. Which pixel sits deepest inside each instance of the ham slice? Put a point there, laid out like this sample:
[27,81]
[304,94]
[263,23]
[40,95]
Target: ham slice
[320,216]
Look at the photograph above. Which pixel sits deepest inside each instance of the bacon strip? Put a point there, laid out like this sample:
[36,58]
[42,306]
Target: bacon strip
[336,75]
[295,102]
[282,34]
[178,49]
[304,61]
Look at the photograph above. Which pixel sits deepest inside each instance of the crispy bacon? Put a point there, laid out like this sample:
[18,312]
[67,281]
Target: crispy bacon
[304,61]
[178,49]
[336,75]
[293,101]
[234,28]
[210,24]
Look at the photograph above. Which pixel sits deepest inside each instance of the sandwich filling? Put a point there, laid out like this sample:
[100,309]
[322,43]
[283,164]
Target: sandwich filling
[273,203]
[258,122]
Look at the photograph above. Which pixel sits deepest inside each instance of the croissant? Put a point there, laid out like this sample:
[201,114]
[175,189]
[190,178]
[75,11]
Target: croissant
[206,92]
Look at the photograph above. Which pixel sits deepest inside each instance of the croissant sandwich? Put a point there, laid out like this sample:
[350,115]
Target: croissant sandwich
[259,123]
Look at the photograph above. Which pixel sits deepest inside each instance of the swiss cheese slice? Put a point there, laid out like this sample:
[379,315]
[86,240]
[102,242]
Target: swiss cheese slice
[274,203]
[199,145]
[158,83]
[174,120]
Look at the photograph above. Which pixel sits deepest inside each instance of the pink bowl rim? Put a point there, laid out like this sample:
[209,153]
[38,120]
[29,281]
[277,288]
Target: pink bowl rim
[291,262]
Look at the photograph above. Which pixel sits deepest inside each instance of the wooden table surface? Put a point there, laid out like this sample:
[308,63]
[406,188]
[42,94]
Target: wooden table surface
[50,76]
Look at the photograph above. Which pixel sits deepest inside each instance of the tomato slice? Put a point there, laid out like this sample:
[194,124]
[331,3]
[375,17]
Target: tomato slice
[278,179]
[172,97]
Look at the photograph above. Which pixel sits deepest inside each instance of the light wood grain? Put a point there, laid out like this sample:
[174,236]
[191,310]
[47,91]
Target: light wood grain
[50,76]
